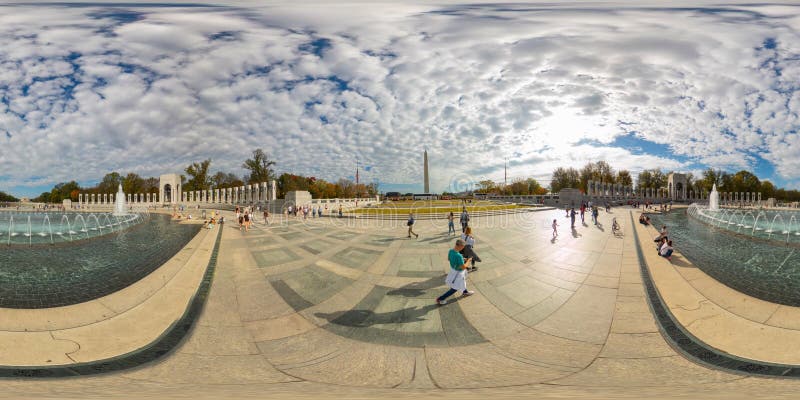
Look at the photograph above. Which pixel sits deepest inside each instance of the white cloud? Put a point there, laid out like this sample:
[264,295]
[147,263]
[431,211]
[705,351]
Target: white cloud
[86,90]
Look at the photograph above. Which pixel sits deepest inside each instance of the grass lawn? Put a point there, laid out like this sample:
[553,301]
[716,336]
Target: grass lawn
[437,209]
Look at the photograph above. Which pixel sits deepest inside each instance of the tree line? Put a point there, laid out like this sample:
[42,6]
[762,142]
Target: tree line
[518,187]
[198,176]
[742,181]
[7,197]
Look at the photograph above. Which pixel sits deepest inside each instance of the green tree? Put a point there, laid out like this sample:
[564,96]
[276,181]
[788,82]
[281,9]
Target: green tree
[110,183]
[133,183]
[259,167]
[767,190]
[199,178]
[745,181]
[624,178]
[564,178]
[7,197]
[651,179]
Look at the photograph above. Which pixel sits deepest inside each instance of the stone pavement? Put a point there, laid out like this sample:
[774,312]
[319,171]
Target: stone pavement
[333,308]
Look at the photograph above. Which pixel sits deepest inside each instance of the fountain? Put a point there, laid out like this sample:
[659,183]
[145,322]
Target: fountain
[713,199]
[120,208]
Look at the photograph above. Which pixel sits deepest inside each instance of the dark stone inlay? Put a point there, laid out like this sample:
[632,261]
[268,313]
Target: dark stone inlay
[316,246]
[357,258]
[418,274]
[382,240]
[45,276]
[271,258]
[358,323]
[293,235]
[343,235]
[312,283]
[695,349]
[165,344]
[291,297]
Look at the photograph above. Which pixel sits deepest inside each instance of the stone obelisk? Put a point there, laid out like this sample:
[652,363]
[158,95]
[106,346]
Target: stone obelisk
[427,183]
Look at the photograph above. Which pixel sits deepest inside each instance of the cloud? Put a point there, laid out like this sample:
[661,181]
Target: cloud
[90,89]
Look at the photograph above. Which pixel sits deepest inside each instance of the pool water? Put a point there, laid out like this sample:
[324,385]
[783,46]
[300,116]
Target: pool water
[769,270]
[67,273]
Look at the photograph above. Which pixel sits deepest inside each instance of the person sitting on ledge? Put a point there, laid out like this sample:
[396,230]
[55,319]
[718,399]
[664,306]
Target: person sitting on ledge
[666,250]
[662,235]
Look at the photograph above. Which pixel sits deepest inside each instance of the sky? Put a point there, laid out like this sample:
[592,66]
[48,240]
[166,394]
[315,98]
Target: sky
[90,88]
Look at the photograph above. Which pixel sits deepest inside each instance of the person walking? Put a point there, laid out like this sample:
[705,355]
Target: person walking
[457,277]
[246,221]
[410,224]
[572,215]
[451,228]
[555,229]
[464,219]
[583,211]
[266,216]
[469,248]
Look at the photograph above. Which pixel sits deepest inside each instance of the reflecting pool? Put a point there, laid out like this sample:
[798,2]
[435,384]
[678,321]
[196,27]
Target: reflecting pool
[50,275]
[762,268]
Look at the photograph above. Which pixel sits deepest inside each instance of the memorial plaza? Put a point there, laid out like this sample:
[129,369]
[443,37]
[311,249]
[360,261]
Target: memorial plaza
[345,307]
[399,199]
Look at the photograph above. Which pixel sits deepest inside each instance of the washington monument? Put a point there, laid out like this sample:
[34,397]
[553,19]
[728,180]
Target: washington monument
[425,173]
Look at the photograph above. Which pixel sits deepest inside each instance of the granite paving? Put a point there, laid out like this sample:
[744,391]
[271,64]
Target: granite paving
[328,308]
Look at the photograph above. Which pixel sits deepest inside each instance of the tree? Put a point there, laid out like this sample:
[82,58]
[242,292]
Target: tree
[110,183]
[486,186]
[133,183]
[767,190]
[651,179]
[259,167]
[564,178]
[745,181]
[198,173]
[624,178]
[151,185]
[372,189]
[599,171]
[345,188]
[222,179]
[518,187]
[711,178]
[7,197]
